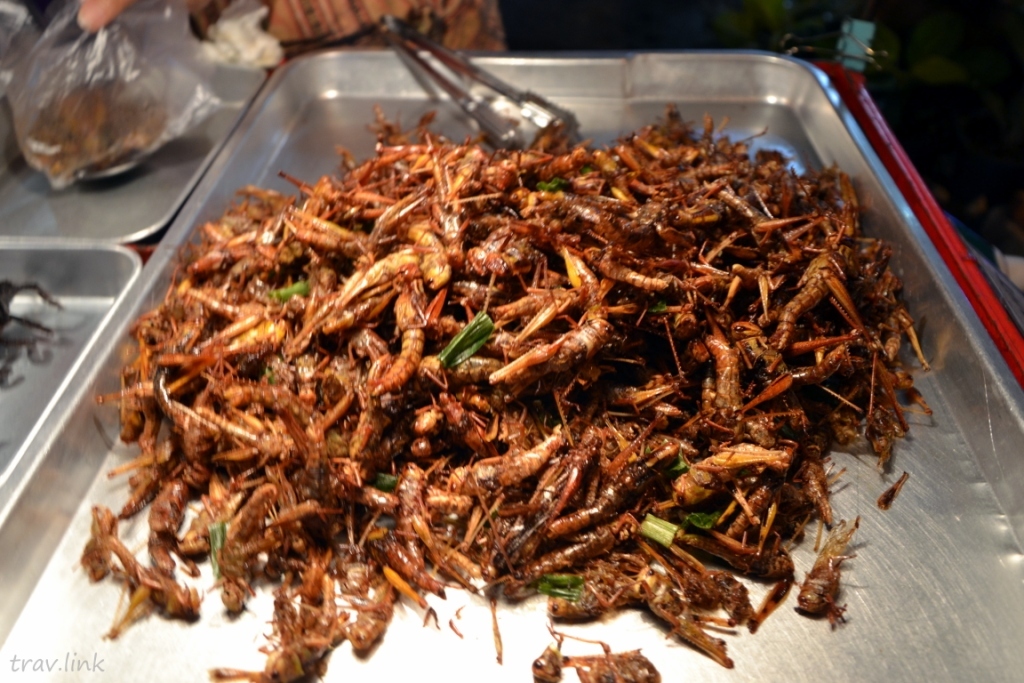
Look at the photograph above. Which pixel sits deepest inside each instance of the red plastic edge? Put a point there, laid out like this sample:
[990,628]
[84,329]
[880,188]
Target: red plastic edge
[943,235]
[143,250]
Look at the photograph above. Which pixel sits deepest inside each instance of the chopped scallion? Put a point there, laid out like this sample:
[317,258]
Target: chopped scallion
[301,288]
[679,467]
[658,530]
[385,482]
[703,520]
[566,586]
[660,307]
[468,341]
[218,534]
[556,184]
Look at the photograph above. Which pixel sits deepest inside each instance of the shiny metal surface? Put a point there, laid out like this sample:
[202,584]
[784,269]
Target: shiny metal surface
[936,591]
[87,280]
[509,117]
[131,204]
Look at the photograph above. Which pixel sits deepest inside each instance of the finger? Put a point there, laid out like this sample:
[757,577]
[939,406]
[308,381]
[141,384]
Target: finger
[95,14]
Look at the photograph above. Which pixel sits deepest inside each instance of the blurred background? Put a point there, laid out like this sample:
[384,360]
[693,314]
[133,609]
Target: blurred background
[949,77]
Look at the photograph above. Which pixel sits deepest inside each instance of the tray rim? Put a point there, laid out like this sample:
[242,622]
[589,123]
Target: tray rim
[184,224]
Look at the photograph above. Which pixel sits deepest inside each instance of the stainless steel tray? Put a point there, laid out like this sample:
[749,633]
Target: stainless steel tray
[88,280]
[128,207]
[935,593]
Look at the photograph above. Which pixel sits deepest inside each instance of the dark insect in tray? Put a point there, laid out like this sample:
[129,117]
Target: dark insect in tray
[9,290]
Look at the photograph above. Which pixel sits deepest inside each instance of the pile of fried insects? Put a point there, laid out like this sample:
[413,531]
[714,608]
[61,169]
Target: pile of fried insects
[582,372]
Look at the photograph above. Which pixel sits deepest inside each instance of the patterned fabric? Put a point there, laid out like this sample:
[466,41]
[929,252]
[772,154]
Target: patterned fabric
[303,25]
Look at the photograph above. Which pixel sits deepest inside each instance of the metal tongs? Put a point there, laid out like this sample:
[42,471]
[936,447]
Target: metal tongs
[500,116]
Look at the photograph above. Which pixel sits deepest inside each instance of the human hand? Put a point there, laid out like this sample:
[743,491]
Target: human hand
[95,14]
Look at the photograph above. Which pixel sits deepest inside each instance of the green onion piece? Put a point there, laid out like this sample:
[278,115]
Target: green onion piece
[385,482]
[218,533]
[468,341]
[301,288]
[660,307]
[268,372]
[679,467]
[566,586]
[554,185]
[587,168]
[703,520]
[658,530]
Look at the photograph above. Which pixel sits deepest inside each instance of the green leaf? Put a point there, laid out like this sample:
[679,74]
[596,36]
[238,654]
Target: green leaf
[268,373]
[678,468]
[301,288]
[659,307]
[566,586]
[658,530]
[703,520]
[218,534]
[939,70]
[385,482]
[467,342]
[587,168]
[939,34]
[556,184]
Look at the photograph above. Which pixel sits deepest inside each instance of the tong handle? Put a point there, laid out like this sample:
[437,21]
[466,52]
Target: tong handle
[532,107]
[498,129]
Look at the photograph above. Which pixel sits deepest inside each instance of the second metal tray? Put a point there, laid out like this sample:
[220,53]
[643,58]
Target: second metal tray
[87,280]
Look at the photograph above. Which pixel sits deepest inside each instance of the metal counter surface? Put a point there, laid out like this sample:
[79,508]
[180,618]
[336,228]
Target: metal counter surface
[936,591]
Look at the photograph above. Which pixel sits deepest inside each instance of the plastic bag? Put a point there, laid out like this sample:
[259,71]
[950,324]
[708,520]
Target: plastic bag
[16,29]
[86,105]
